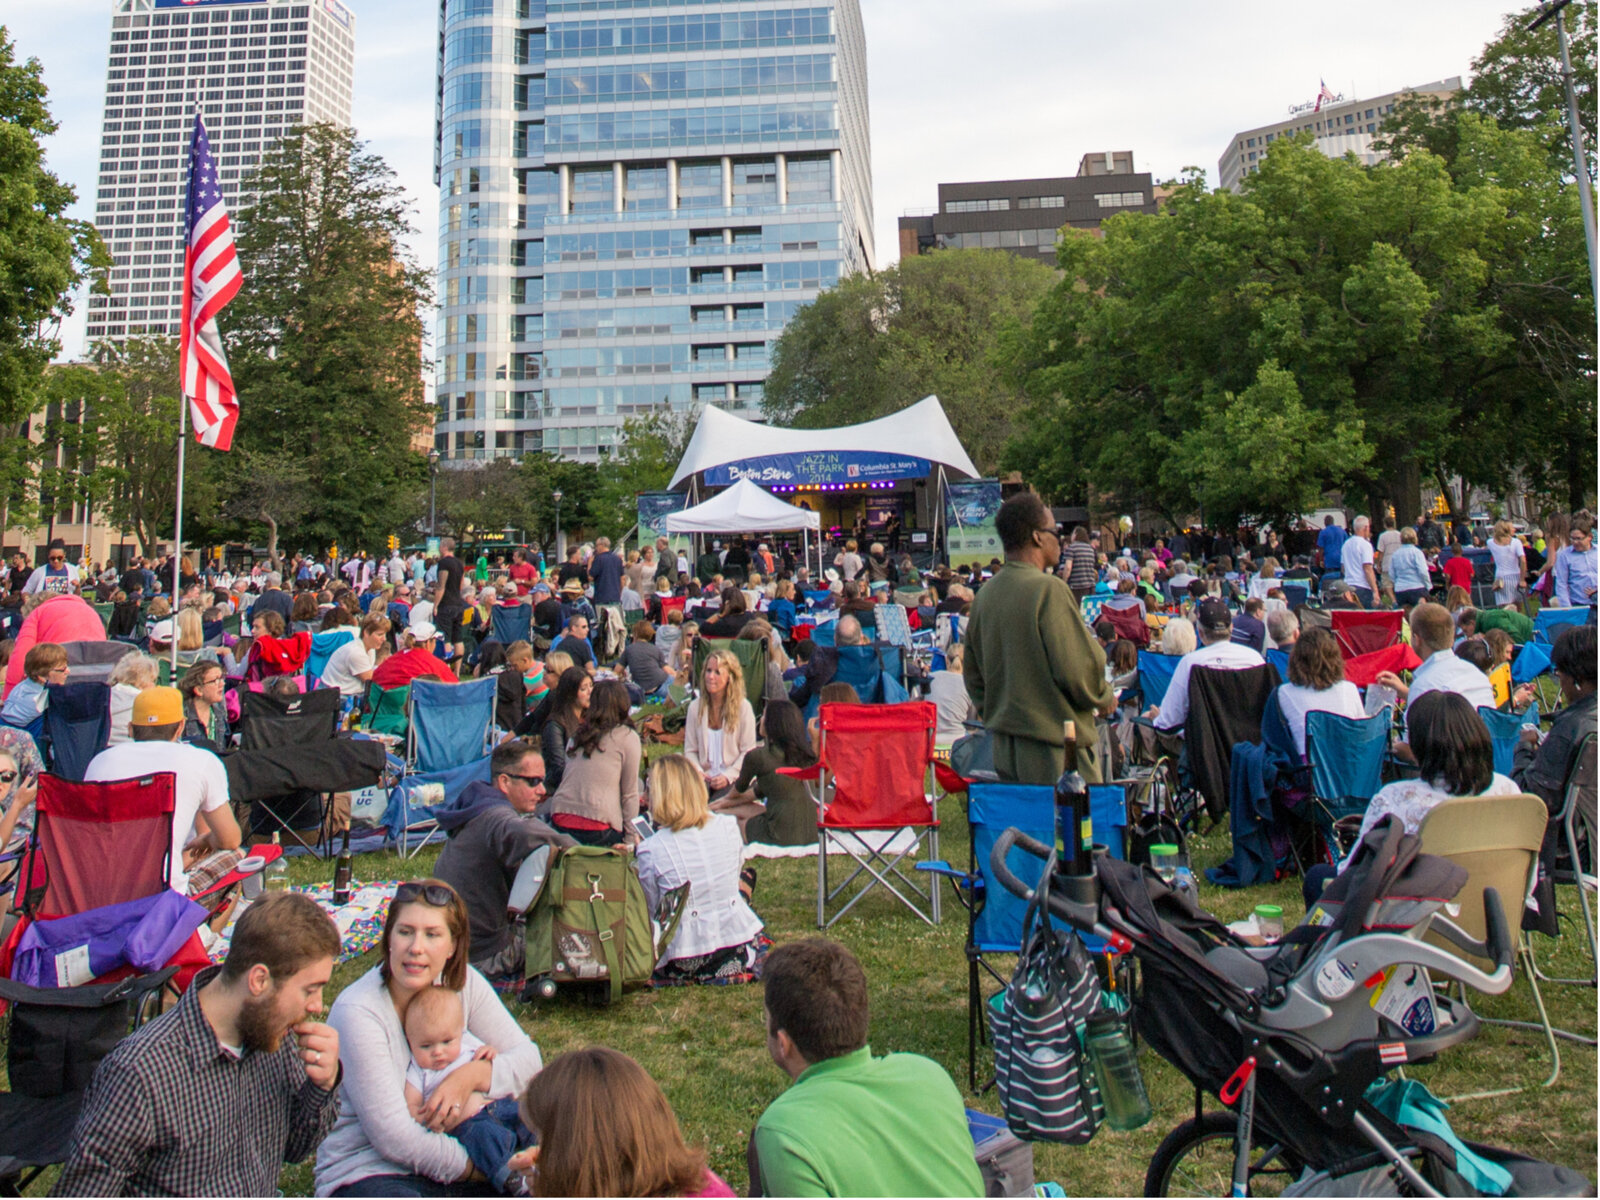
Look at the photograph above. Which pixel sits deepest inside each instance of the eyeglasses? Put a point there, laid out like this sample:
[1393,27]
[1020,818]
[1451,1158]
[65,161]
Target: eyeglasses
[530,780]
[437,894]
[8,776]
[58,558]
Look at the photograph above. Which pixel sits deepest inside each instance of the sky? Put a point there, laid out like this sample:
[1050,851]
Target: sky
[1009,89]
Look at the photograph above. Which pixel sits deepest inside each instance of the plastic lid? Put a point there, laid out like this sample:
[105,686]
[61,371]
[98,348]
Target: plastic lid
[1269,910]
[1163,848]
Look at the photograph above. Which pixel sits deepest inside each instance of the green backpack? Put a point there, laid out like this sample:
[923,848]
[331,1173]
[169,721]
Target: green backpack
[590,922]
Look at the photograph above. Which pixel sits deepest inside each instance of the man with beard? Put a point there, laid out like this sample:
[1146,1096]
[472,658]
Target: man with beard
[212,1097]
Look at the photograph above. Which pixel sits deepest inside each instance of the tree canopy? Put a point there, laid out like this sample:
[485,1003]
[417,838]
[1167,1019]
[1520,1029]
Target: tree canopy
[932,324]
[325,343]
[1332,325]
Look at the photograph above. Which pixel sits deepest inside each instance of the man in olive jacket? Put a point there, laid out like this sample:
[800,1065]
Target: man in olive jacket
[1032,664]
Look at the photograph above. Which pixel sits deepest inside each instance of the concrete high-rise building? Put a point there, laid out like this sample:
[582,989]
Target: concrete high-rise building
[635,197]
[255,68]
[1338,126]
[1023,215]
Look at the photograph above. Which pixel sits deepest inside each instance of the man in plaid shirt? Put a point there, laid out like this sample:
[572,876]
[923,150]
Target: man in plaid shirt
[215,1095]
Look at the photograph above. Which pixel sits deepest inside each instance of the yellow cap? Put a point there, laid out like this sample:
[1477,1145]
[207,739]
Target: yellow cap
[158,706]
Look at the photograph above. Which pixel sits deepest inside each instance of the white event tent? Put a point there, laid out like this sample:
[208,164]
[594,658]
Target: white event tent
[745,508]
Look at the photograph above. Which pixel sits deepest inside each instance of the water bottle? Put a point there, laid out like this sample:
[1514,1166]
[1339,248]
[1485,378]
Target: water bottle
[1116,1067]
[277,873]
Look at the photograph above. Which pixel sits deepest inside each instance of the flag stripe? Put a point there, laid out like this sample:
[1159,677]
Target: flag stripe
[211,278]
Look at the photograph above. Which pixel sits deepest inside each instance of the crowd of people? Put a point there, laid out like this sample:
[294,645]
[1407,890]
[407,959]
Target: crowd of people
[420,1082]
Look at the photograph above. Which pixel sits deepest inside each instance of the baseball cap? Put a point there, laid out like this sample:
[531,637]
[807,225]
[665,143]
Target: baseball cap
[161,631]
[423,631]
[1214,616]
[158,706]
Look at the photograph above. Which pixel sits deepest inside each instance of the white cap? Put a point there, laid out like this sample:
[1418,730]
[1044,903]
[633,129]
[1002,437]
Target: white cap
[161,631]
[423,631]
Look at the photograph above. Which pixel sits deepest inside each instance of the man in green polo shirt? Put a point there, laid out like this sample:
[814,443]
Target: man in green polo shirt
[851,1124]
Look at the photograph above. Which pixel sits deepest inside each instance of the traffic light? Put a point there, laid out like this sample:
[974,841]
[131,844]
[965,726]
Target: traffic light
[394,543]
[333,550]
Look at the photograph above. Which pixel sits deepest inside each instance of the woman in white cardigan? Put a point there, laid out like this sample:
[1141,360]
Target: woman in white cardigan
[376,1147]
[720,728]
[718,933]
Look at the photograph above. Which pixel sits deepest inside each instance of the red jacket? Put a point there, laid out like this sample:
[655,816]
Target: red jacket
[400,669]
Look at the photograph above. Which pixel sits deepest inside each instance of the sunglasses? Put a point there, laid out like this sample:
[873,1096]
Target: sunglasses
[8,776]
[437,894]
[530,780]
[58,558]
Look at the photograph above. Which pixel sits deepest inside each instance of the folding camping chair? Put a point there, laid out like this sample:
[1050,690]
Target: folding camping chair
[1346,755]
[862,669]
[269,726]
[1497,839]
[947,629]
[323,644]
[752,656]
[93,662]
[386,710]
[1505,730]
[994,915]
[511,623]
[1549,622]
[1155,675]
[77,726]
[1225,708]
[1360,632]
[1129,623]
[449,734]
[1577,830]
[1295,594]
[871,773]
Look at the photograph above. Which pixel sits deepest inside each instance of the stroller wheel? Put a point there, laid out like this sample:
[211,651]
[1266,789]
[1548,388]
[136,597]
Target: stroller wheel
[1196,1159]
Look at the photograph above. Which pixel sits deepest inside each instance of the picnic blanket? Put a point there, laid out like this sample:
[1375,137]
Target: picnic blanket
[360,922]
[887,842]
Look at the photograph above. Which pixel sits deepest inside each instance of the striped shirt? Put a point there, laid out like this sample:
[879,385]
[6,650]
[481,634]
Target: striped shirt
[172,1112]
[1082,574]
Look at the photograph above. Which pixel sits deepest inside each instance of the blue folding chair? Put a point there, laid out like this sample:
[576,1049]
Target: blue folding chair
[323,644]
[816,599]
[77,726]
[1155,675]
[1090,606]
[1346,755]
[1295,594]
[1279,658]
[891,659]
[449,723]
[860,667]
[511,622]
[1549,622]
[1505,729]
[994,915]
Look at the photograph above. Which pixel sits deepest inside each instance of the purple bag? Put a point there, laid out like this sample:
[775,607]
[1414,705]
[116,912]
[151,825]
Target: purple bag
[70,951]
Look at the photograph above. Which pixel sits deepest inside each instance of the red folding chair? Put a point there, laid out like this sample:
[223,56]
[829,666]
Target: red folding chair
[1360,632]
[97,844]
[1129,623]
[671,604]
[871,778]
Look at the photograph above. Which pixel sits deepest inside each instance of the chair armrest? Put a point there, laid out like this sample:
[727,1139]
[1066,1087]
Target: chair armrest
[940,867]
[814,771]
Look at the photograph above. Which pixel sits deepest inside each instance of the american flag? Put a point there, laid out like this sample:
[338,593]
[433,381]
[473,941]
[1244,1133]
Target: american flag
[211,278]
[1324,94]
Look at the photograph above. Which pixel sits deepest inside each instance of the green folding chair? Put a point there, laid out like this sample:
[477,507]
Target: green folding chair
[752,656]
[386,711]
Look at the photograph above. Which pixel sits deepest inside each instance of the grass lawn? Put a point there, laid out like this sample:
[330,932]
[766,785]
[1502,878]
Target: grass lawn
[705,1045]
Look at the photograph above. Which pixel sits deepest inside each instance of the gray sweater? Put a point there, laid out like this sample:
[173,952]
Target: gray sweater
[375,1133]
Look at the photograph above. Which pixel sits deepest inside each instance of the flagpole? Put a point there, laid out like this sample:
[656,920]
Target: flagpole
[183,437]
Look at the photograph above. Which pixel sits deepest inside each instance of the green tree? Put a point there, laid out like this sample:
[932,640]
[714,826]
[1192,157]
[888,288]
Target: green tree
[325,339]
[1382,293]
[1517,82]
[44,255]
[651,447]
[935,324]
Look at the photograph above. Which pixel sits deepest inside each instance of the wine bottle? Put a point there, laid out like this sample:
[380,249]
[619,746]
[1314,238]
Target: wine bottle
[342,871]
[277,873]
[1074,833]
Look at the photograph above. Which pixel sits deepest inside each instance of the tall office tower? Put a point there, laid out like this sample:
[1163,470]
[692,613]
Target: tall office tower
[635,197]
[255,68]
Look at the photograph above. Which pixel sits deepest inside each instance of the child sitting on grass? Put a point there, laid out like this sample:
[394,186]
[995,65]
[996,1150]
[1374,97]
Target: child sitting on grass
[46,663]
[490,1130]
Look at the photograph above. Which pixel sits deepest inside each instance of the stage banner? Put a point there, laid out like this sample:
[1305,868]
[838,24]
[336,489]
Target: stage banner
[654,509]
[827,466]
[970,507]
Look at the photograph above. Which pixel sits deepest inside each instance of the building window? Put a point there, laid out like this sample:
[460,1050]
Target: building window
[700,185]
[810,180]
[1000,204]
[646,189]
[592,190]
[1042,202]
[755,182]
[1123,199]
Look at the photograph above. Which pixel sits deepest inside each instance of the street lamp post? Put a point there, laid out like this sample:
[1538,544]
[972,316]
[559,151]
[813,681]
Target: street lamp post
[556,496]
[1554,8]
[433,492]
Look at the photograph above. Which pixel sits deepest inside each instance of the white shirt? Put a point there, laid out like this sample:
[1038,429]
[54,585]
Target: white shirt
[1388,543]
[346,665]
[1412,799]
[201,786]
[1342,699]
[715,915]
[122,697]
[1356,555]
[1444,672]
[948,691]
[1225,656]
[425,1080]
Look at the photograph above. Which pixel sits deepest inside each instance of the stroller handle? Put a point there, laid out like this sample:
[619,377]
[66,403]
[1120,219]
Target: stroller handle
[1082,914]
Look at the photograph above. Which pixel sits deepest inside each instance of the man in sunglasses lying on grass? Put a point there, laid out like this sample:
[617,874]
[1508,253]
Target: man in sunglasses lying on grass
[491,829]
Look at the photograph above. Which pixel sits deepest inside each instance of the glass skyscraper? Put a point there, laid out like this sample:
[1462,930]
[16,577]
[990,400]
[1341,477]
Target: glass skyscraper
[635,196]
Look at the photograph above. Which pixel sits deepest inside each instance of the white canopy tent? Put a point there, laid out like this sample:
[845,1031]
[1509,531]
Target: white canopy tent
[921,431]
[746,508]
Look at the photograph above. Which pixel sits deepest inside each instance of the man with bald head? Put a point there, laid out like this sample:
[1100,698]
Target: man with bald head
[823,664]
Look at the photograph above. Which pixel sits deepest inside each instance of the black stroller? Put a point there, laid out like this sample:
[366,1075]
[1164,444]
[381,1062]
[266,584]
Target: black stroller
[1292,1036]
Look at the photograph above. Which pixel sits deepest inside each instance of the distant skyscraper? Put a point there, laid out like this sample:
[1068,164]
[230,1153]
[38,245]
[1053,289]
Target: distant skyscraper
[256,68]
[635,197]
